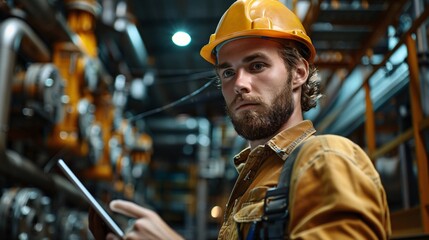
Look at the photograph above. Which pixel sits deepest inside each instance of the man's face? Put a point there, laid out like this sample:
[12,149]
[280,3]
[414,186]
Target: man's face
[256,86]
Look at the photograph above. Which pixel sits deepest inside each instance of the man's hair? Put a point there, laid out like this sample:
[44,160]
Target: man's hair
[292,54]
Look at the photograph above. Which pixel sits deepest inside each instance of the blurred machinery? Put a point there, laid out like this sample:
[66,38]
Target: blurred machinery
[59,101]
[67,69]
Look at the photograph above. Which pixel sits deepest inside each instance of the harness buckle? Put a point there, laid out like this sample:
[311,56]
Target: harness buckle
[275,213]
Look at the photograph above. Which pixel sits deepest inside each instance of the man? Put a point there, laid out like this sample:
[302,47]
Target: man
[263,59]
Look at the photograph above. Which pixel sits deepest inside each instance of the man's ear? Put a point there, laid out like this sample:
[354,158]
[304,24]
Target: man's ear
[300,74]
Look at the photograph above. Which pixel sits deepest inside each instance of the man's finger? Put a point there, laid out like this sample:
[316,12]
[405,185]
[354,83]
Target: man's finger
[129,209]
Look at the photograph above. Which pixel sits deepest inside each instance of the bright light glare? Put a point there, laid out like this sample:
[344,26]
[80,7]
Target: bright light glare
[181,39]
[216,212]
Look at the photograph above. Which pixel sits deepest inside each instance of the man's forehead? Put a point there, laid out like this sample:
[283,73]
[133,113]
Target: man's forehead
[256,41]
[251,56]
[246,50]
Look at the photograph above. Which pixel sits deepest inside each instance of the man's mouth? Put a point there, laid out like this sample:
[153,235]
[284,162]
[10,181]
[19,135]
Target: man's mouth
[244,106]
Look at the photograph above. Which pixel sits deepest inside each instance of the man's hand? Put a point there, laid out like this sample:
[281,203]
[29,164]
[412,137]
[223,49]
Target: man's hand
[148,224]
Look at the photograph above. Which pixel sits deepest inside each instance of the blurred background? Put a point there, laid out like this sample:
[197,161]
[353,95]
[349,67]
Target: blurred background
[102,85]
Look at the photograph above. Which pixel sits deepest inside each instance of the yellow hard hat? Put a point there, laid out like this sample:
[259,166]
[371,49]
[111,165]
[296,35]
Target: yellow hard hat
[265,18]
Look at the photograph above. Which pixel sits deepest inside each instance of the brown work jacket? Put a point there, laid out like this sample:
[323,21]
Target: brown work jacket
[335,191]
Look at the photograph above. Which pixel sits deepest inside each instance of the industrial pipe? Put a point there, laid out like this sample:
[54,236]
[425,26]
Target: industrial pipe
[16,35]
[47,20]
[14,166]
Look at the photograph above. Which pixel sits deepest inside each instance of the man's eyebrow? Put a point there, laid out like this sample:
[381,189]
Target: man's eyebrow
[222,66]
[245,60]
[254,56]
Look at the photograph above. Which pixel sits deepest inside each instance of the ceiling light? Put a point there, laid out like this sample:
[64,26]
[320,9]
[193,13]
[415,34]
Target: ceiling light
[181,38]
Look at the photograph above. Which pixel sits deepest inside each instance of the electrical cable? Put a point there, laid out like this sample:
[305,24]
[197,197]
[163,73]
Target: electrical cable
[173,104]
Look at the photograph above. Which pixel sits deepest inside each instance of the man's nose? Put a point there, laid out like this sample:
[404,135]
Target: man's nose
[242,82]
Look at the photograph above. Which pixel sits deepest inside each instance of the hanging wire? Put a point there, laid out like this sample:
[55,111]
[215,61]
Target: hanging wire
[173,104]
[185,78]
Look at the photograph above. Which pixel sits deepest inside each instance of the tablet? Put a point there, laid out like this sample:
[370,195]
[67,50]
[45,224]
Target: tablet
[91,200]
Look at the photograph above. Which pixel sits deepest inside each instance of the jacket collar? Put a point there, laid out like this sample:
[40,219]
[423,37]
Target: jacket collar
[282,144]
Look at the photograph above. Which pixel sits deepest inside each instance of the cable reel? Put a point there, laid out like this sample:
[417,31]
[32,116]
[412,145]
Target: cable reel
[26,214]
[44,88]
[73,225]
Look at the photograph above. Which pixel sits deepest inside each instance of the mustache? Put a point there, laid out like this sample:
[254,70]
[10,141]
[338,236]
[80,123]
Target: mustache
[242,97]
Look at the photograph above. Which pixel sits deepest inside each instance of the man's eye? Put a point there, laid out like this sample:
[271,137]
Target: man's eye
[227,73]
[257,66]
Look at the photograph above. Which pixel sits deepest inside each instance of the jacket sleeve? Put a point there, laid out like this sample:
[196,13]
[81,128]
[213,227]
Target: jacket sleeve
[336,193]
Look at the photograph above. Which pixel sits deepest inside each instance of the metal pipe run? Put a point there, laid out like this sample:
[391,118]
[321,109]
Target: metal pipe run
[17,37]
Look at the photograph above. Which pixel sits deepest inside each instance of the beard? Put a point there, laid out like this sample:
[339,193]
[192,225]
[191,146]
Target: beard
[265,123]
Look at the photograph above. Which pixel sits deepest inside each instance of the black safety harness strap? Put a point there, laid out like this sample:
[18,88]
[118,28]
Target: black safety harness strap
[276,203]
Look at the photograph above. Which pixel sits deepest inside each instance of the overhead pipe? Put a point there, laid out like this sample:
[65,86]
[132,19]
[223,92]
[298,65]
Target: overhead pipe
[131,44]
[48,20]
[16,36]
[134,47]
